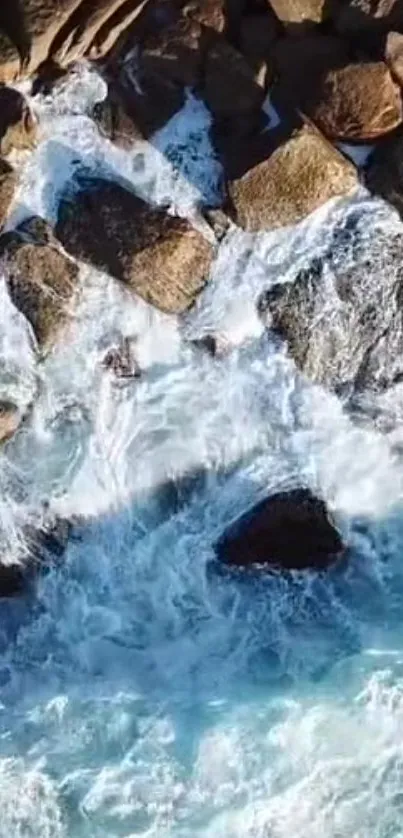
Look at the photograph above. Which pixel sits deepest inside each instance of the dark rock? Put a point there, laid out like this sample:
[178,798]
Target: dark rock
[342,317]
[41,280]
[18,128]
[121,360]
[116,117]
[160,257]
[289,530]
[384,175]
[356,18]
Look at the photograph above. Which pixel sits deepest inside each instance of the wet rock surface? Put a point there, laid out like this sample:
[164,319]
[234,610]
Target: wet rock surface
[8,184]
[160,257]
[342,316]
[41,280]
[18,127]
[289,530]
[41,547]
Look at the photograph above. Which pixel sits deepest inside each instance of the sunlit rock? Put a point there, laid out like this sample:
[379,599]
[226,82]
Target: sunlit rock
[41,280]
[160,257]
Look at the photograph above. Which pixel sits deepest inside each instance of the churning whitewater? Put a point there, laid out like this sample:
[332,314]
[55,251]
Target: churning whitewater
[144,691]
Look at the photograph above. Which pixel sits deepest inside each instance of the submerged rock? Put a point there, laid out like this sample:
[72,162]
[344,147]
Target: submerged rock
[342,317]
[300,175]
[41,279]
[289,530]
[18,128]
[161,258]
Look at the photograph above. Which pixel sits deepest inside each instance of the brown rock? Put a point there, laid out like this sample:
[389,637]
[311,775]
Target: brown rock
[357,102]
[41,279]
[10,418]
[289,530]
[212,13]
[394,55]
[296,12]
[31,26]
[18,128]
[163,259]
[176,52]
[301,174]
[8,182]
[361,17]
[109,35]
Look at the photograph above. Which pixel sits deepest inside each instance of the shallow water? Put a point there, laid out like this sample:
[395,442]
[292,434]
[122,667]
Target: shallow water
[145,691]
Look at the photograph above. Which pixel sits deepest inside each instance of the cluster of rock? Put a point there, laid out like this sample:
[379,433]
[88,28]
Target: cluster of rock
[334,72]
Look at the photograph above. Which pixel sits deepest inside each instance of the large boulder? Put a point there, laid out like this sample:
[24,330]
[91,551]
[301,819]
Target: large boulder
[300,175]
[18,128]
[8,183]
[357,102]
[119,120]
[342,316]
[162,258]
[41,279]
[289,530]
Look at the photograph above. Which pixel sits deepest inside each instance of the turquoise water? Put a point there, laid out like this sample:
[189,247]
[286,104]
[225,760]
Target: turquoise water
[145,691]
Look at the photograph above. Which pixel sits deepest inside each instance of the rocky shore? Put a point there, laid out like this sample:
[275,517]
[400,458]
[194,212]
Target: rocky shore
[334,74]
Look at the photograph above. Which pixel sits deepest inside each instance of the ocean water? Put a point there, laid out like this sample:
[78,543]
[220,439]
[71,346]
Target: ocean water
[145,691]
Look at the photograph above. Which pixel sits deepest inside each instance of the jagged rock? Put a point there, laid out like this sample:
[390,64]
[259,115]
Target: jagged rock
[342,316]
[357,102]
[300,175]
[161,258]
[384,175]
[212,13]
[121,360]
[31,26]
[10,419]
[41,280]
[116,119]
[297,13]
[18,128]
[8,183]
[40,547]
[35,31]
[361,17]
[289,530]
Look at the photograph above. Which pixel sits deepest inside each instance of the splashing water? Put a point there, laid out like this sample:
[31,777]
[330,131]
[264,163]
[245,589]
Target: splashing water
[144,692]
